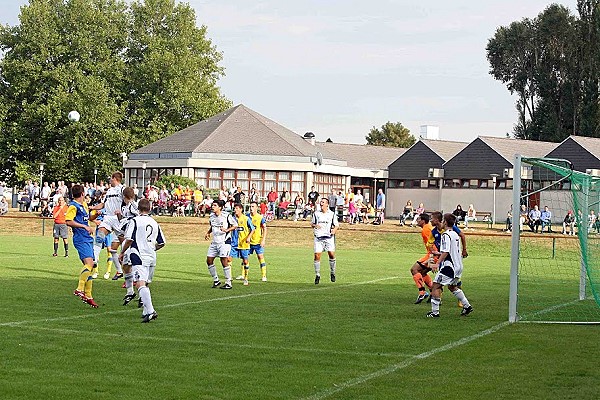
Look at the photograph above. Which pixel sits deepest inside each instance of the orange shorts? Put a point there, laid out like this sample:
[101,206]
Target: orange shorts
[424,259]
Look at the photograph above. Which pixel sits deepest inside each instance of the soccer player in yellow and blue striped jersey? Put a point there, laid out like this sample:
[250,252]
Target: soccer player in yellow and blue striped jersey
[77,218]
[257,239]
[240,239]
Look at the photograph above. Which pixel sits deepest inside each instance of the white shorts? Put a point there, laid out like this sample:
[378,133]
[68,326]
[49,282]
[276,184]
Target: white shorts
[326,244]
[112,224]
[126,257]
[142,273]
[220,250]
[447,276]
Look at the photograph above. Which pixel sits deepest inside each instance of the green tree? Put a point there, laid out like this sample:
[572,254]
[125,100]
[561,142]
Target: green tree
[552,64]
[512,54]
[173,71]
[588,30]
[62,57]
[135,74]
[391,134]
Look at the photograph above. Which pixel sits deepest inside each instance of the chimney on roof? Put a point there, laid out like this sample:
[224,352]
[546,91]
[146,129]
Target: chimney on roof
[309,136]
[430,132]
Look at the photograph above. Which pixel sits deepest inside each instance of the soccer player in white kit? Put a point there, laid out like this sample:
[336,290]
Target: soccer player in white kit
[325,225]
[112,203]
[128,212]
[449,269]
[143,239]
[221,224]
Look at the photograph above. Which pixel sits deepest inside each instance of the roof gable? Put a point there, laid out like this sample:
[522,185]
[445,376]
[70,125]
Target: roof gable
[590,144]
[238,130]
[508,147]
[364,155]
[582,152]
[446,149]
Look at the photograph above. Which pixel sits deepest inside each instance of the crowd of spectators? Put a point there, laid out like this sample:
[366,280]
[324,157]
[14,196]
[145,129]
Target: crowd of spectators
[179,200]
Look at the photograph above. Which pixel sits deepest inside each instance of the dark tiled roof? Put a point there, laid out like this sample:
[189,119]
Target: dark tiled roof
[363,155]
[446,149]
[591,144]
[238,130]
[508,147]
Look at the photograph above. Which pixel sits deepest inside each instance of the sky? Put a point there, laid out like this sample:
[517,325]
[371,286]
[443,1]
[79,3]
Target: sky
[339,68]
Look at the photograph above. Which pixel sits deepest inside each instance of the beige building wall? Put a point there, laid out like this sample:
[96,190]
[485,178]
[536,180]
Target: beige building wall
[445,200]
[482,200]
[396,200]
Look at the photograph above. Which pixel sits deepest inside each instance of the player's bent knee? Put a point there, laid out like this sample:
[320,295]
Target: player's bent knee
[100,236]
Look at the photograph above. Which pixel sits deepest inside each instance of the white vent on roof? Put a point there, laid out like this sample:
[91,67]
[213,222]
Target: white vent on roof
[526,173]
[436,173]
[430,132]
[593,172]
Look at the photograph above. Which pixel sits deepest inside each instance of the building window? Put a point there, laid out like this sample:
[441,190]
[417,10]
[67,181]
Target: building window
[325,183]
[257,175]
[269,175]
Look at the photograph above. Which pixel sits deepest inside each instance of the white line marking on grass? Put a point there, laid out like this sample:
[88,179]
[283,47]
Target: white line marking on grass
[227,344]
[235,297]
[395,367]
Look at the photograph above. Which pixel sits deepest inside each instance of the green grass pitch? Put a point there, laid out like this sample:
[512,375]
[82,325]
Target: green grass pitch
[359,338]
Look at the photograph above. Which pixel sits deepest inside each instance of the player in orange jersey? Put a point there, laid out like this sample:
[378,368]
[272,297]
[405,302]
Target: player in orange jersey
[421,268]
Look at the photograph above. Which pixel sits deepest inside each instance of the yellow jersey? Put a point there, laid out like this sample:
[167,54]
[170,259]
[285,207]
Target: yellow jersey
[243,229]
[258,221]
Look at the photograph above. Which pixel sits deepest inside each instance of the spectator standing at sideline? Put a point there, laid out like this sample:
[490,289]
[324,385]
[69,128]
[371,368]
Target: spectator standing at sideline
[3,205]
[332,199]
[272,199]
[358,197]
[509,219]
[313,196]
[380,204]
[45,193]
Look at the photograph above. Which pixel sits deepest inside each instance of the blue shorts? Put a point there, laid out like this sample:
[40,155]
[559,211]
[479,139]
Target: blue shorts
[239,253]
[107,240]
[85,249]
[257,248]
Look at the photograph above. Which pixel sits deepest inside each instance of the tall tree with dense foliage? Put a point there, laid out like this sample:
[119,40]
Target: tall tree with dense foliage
[135,73]
[551,64]
[392,134]
[589,71]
